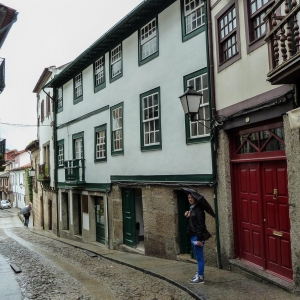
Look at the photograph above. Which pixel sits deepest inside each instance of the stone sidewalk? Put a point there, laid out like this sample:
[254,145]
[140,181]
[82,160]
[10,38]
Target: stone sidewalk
[219,284]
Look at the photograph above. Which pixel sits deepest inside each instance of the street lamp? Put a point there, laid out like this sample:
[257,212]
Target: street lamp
[190,102]
[31,172]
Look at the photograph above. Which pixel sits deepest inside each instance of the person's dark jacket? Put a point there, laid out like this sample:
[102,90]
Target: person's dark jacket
[196,226]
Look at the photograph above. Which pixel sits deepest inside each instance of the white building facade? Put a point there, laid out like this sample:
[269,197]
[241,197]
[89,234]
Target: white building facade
[123,145]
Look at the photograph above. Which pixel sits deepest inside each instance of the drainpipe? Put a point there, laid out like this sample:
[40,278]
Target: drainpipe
[106,216]
[213,132]
[55,158]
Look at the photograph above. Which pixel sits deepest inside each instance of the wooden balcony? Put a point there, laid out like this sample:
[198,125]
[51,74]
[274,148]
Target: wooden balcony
[282,37]
[44,175]
[75,172]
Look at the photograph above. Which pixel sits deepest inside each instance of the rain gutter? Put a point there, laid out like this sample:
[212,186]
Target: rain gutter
[213,131]
[55,158]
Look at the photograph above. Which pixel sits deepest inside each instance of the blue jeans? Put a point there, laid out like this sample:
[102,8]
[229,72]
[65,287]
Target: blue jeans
[26,221]
[199,255]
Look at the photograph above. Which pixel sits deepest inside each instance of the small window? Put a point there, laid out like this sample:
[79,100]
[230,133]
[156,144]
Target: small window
[116,63]
[100,143]
[99,74]
[256,27]
[78,92]
[59,99]
[199,130]
[148,41]
[117,129]
[60,153]
[228,35]
[47,105]
[193,18]
[150,120]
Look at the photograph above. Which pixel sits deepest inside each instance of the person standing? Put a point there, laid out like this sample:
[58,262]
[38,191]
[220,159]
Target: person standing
[196,228]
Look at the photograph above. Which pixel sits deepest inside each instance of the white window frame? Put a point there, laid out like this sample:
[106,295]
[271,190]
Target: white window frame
[148,132]
[99,71]
[101,144]
[116,60]
[117,128]
[60,155]
[148,39]
[59,97]
[204,113]
[191,9]
[78,85]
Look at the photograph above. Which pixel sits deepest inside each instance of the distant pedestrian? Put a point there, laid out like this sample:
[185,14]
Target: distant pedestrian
[26,213]
[196,229]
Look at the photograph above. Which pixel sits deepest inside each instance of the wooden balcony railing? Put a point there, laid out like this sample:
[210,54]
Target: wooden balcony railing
[74,171]
[282,36]
[44,174]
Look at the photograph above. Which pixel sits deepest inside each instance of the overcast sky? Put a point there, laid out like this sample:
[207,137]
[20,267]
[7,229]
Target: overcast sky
[47,33]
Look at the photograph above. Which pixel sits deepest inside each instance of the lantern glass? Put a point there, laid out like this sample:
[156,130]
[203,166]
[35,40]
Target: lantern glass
[31,172]
[191,101]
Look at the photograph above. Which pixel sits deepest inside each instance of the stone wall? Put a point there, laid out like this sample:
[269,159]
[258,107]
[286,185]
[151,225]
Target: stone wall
[224,200]
[292,140]
[160,217]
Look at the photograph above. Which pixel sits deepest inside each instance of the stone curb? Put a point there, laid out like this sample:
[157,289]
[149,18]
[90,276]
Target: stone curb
[178,285]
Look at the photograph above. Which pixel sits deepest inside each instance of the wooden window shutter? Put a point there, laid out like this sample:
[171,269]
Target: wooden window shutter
[85,206]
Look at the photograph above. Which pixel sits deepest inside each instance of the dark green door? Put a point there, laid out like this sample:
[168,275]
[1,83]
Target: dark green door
[128,204]
[183,206]
[100,224]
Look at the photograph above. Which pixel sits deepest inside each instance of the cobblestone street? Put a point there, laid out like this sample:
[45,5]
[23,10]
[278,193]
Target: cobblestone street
[53,270]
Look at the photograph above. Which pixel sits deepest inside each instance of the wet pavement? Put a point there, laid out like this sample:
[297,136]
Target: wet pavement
[63,269]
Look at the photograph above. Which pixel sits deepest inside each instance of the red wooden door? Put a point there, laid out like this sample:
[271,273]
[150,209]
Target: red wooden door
[277,221]
[250,213]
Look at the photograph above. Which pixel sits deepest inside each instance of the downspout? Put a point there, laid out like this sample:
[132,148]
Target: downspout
[213,132]
[55,157]
[106,216]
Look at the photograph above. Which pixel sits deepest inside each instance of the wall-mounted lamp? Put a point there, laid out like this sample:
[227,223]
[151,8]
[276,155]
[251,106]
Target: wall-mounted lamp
[191,101]
[31,172]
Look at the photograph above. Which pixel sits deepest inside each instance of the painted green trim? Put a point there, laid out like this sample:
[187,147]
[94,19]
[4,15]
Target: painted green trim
[101,86]
[60,109]
[155,54]
[77,136]
[80,98]
[112,79]
[195,178]
[59,143]
[116,152]
[92,113]
[150,147]
[193,33]
[101,187]
[98,129]
[188,138]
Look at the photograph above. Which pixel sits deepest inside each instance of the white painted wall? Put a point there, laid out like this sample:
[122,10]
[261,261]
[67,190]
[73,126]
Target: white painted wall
[176,59]
[246,78]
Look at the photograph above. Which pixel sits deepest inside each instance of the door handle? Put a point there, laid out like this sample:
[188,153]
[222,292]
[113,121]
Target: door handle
[275,193]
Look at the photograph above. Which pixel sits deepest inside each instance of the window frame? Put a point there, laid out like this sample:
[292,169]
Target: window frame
[253,44]
[100,128]
[60,143]
[155,146]
[79,98]
[224,64]
[42,111]
[156,53]
[60,109]
[204,138]
[102,85]
[112,108]
[75,137]
[187,36]
[112,79]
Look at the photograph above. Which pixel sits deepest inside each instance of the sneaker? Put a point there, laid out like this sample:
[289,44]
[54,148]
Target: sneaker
[197,280]
[196,275]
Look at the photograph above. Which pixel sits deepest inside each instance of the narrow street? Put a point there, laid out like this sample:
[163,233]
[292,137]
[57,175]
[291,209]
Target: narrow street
[53,270]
